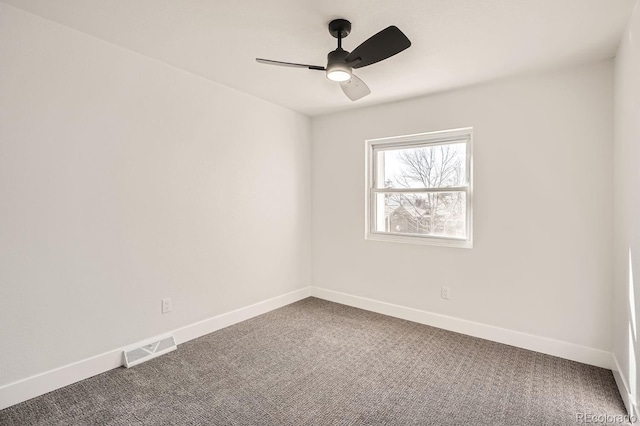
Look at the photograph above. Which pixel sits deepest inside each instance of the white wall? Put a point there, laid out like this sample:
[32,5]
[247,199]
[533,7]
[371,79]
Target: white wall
[627,207]
[124,180]
[541,262]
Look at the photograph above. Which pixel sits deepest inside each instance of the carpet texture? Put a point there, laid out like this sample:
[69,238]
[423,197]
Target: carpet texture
[321,363]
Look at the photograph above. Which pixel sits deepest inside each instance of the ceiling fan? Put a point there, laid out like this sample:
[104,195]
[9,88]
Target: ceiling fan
[340,63]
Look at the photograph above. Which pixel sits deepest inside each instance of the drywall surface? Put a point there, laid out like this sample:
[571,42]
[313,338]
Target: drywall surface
[541,262]
[124,181]
[627,205]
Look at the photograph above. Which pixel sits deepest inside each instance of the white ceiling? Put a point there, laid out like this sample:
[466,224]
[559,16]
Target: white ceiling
[455,42]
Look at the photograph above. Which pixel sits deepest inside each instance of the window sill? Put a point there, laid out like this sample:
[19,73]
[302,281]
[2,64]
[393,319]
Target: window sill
[410,239]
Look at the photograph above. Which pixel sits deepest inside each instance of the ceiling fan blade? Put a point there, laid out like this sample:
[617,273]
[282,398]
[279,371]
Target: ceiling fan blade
[355,88]
[289,64]
[378,47]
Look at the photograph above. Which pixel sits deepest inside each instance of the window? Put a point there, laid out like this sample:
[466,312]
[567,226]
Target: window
[419,188]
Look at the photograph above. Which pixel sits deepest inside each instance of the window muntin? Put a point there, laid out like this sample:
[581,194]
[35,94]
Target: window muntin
[419,188]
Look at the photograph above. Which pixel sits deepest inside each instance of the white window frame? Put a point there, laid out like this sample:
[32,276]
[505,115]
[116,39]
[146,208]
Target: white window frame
[418,140]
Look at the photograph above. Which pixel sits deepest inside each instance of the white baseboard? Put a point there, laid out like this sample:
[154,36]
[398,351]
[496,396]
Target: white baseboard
[48,381]
[623,388]
[30,387]
[218,322]
[544,345]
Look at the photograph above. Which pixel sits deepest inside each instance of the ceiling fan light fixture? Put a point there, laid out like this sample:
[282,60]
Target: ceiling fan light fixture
[338,72]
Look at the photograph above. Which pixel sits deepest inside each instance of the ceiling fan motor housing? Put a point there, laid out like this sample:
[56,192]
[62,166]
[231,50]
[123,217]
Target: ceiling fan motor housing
[337,56]
[337,68]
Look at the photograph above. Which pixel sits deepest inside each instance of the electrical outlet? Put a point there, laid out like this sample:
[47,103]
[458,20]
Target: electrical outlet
[445,292]
[166,305]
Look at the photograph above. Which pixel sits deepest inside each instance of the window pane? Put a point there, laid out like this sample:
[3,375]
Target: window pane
[423,213]
[437,166]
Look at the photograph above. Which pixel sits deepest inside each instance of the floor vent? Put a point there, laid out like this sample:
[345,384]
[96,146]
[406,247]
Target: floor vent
[150,351]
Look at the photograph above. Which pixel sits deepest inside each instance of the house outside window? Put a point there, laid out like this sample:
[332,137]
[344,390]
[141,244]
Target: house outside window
[419,188]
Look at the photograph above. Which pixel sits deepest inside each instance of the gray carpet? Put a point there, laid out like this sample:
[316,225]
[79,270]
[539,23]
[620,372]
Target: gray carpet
[321,363]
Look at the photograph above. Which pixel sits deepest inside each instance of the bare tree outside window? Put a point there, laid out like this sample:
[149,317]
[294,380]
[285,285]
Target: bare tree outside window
[436,213]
